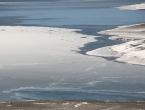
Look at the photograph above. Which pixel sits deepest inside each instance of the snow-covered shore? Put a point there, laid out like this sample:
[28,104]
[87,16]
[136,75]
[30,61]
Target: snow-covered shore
[132,51]
[133,7]
[129,32]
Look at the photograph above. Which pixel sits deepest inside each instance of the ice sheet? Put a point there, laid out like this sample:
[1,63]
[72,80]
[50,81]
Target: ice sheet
[22,45]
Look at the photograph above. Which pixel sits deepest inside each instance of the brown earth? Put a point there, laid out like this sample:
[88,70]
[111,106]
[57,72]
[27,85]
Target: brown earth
[73,105]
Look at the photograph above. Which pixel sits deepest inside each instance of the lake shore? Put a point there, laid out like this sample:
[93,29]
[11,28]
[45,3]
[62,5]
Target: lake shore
[71,105]
[133,49]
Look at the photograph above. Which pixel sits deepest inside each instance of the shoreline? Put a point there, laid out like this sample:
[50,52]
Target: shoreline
[131,51]
[72,104]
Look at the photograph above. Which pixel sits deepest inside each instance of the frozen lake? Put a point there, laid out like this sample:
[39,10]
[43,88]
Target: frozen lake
[51,64]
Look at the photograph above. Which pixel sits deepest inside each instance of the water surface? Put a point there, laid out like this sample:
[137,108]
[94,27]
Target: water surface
[78,76]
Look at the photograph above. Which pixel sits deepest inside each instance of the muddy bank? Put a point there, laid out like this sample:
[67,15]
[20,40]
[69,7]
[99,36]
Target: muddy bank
[71,105]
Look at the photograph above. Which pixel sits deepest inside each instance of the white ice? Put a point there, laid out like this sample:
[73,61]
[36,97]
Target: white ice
[133,7]
[23,45]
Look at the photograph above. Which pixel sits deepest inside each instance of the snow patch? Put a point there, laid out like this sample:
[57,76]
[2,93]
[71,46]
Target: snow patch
[64,104]
[41,103]
[83,103]
[133,7]
[129,32]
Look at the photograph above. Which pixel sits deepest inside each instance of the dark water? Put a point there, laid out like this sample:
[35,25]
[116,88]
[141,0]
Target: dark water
[77,78]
